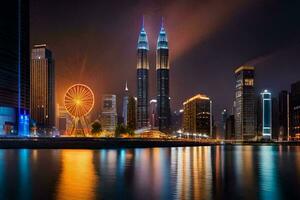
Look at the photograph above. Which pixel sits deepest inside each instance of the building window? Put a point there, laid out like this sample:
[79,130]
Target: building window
[249,82]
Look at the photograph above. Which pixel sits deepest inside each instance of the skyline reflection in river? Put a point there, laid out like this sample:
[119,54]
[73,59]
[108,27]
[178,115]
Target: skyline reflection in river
[209,172]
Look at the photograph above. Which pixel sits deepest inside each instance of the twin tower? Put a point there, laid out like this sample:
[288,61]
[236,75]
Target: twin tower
[162,80]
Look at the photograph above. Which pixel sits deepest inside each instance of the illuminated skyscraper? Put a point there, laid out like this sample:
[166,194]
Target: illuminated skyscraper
[245,100]
[197,116]
[162,76]
[42,87]
[14,67]
[142,79]
[266,114]
[125,105]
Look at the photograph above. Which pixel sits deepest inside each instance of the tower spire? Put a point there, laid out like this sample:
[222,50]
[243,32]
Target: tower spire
[162,40]
[162,23]
[143,40]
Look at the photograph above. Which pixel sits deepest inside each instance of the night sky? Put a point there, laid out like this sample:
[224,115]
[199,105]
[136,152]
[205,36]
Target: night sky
[94,42]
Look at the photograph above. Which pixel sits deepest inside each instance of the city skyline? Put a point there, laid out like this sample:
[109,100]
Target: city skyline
[193,67]
[159,99]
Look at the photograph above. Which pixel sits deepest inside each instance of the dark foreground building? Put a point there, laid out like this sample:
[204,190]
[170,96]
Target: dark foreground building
[14,67]
[284,115]
[245,108]
[162,76]
[142,79]
[295,109]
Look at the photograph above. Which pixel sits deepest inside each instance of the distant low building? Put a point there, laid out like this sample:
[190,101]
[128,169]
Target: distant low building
[177,119]
[197,117]
[63,121]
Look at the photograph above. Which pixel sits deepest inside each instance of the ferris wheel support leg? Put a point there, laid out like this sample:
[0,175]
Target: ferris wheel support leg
[85,126]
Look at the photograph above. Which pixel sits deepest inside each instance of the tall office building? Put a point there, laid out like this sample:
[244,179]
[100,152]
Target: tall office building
[245,101]
[162,76]
[153,113]
[295,109]
[266,114]
[125,105]
[197,115]
[275,118]
[230,130]
[131,114]
[142,79]
[223,123]
[42,87]
[14,67]
[109,112]
[284,115]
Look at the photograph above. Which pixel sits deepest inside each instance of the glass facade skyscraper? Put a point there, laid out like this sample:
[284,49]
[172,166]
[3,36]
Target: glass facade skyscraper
[245,100]
[162,76]
[266,114]
[14,67]
[142,79]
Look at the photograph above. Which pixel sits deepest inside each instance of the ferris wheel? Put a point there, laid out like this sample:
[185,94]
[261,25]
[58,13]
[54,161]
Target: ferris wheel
[79,101]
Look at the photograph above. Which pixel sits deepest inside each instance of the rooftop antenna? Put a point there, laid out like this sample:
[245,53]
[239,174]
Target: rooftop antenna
[162,23]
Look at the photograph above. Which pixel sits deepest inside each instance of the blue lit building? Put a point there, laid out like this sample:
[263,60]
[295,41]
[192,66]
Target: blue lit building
[162,78]
[142,79]
[266,114]
[14,68]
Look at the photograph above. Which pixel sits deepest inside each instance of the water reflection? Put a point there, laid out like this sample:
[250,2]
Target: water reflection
[77,179]
[217,172]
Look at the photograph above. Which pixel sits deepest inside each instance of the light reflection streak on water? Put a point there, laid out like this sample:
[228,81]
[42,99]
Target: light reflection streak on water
[267,173]
[256,172]
[2,173]
[77,179]
[24,169]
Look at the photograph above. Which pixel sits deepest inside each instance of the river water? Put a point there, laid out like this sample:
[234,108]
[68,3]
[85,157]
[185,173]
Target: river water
[208,172]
